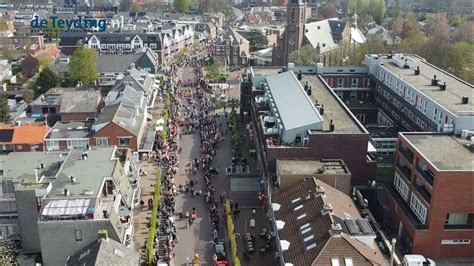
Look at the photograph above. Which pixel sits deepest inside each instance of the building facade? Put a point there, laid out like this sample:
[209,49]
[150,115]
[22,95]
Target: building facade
[431,194]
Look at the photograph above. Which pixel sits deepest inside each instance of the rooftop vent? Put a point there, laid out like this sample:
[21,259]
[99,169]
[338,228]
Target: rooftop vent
[319,191]
[406,66]
[417,71]
[327,208]
[88,192]
[41,166]
[389,56]
[84,156]
[434,81]
[72,178]
[442,87]
[465,100]
[336,229]
[66,192]
[300,75]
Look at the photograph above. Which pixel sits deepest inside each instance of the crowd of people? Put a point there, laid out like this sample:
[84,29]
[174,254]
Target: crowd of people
[190,111]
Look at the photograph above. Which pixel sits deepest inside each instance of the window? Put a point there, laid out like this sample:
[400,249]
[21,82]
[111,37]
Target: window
[401,186]
[455,242]
[78,234]
[361,117]
[418,208]
[335,261]
[355,83]
[7,186]
[101,142]
[456,218]
[19,147]
[348,262]
[124,141]
[340,82]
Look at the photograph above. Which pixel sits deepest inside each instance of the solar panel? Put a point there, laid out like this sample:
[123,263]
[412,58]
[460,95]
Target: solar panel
[6,135]
[352,226]
[365,226]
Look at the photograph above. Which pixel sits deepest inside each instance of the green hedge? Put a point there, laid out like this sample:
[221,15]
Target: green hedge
[153,219]
[231,235]
[157,196]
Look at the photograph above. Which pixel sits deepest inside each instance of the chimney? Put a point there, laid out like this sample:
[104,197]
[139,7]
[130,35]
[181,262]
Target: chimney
[102,234]
[336,229]
[319,191]
[327,208]
[417,71]
[389,56]
[465,100]
[331,127]
[442,87]
[434,81]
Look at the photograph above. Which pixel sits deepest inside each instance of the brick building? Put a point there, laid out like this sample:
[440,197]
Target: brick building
[22,138]
[320,128]
[432,193]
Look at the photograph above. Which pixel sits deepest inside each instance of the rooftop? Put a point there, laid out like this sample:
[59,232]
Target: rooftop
[308,226]
[450,98]
[446,153]
[311,167]
[69,130]
[89,173]
[105,252]
[25,134]
[334,109]
[288,94]
[21,165]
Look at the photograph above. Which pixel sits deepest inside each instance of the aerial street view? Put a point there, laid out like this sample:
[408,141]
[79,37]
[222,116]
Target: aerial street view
[236,132]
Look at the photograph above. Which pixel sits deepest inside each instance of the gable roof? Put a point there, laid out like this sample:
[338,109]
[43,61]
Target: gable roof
[26,134]
[105,252]
[114,63]
[123,115]
[319,33]
[80,101]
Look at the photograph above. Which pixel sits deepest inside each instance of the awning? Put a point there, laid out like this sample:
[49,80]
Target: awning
[276,206]
[280,224]
[285,245]
[371,148]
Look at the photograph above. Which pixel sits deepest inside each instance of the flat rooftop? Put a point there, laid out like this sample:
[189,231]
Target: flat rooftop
[343,120]
[265,71]
[294,107]
[450,98]
[89,173]
[21,165]
[311,167]
[444,152]
[69,130]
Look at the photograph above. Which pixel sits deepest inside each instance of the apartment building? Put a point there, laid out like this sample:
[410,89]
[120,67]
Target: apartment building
[84,192]
[432,193]
[419,95]
[231,48]
[296,121]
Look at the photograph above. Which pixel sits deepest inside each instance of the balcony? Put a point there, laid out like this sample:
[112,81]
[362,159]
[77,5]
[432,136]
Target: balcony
[405,170]
[405,208]
[424,193]
[458,226]
[427,175]
[407,154]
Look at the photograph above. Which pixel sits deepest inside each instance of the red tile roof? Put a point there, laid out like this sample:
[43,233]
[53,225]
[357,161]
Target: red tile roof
[27,134]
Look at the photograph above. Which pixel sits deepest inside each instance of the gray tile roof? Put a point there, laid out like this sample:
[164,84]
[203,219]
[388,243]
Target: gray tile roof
[105,252]
[114,63]
[85,101]
[124,115]
[294,107]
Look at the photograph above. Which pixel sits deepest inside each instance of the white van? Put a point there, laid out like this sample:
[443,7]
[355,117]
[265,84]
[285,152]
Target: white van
[417,260]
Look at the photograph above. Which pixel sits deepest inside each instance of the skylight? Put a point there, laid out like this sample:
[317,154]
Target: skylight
[119,253]
[335,261]
[348,262]
[311,246]
[301,216]
[304,226]
[308,238]
[299,207]
[305,231]
[296,200]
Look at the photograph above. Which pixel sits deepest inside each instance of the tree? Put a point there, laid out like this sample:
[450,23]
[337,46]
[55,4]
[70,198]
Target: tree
[135,7]
[181,6]
[465,32]
[437,26]
[46,80]
[305,56]
[374,8]
[213,72]
[183,53]
[82,66]
[43,63]
[125,5]
[4,109]
[257,40]
[328,11]
[28,95]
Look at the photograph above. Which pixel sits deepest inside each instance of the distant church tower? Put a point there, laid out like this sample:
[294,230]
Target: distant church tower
[293,37]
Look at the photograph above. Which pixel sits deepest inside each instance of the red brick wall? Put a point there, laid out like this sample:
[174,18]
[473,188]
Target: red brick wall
[451,193]
[112,131]
[26,147]
[352,148]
